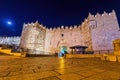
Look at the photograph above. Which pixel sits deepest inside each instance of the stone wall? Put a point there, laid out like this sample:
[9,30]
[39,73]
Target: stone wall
[33,38]
[104,30]
[62,36]
[86,34]
[10,40]
[96,32]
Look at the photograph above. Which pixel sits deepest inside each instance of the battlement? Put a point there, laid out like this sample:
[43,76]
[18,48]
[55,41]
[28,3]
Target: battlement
[10,40]
[96,32]
[36,24]
[90,17]
[105,14]
[63,28]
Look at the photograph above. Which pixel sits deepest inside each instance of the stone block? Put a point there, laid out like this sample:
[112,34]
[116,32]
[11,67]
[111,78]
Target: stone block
[79,56]
[7,51]
[116,44]
[69,55]
[107,58]
[17,54]
[118,58]
[12,54]
[117,52]
[97,55]
[112,58]
[23,54]
[103,56]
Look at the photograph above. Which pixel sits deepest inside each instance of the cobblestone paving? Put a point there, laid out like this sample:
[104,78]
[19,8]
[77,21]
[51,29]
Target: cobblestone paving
[54,68]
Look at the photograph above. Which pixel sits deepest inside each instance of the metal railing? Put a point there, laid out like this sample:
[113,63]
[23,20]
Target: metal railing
[104,51]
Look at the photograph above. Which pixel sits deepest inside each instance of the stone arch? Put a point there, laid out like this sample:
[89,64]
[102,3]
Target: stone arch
[61,43]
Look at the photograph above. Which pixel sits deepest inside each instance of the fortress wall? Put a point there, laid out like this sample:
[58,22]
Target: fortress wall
[76,37]
[28,36]
[10,40]
[47,41]
[58,35]
[33,37]
[97,32]
[39,43]
[86,34]
[63,36]
[105,32]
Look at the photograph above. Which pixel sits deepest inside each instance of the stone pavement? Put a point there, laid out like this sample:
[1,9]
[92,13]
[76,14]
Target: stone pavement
[54,68]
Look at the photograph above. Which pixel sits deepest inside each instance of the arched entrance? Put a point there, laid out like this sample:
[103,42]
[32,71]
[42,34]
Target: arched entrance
[62,46]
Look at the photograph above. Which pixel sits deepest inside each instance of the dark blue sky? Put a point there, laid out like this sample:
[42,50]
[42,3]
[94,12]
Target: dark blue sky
[50,12]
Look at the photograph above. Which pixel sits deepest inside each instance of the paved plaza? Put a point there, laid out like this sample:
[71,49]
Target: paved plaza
[54,68]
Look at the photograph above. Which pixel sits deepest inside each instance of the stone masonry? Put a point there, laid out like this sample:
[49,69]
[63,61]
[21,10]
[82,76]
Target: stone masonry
[54,68]
[96,32]
[10,40]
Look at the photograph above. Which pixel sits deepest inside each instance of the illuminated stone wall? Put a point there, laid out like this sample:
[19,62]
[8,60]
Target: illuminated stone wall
[96,31]
[10,40]
[62,36]
[104,29]
[86,34]
[33,38]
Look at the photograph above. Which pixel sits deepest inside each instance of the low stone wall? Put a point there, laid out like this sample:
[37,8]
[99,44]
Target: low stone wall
[110,57]
[116,54]
[83,55]
[118,58]
[8,51]
[106,57]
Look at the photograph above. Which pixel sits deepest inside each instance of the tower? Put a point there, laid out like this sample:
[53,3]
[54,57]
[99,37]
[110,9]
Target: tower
[33,38]
[104,29]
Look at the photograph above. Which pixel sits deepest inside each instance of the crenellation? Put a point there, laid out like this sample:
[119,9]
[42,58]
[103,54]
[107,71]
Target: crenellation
[105,13]
[82,23]
[109,14]
[62,27]
[75,26]
[98,15]
[54,29]
[96,32]
[113,13]
[51,29]
[90,16]
[85,20]
[66,27]
[58,28]
[10,40]
[70,27]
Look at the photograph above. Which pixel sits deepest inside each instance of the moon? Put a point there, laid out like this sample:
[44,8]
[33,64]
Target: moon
[9,22]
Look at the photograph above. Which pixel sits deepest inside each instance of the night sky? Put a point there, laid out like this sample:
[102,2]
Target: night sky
[51,13]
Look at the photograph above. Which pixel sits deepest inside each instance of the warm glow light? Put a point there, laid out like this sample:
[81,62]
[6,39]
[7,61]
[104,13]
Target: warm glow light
[62,62]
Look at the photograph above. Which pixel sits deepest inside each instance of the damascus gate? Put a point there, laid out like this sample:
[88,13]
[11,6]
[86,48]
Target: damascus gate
[96,32]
